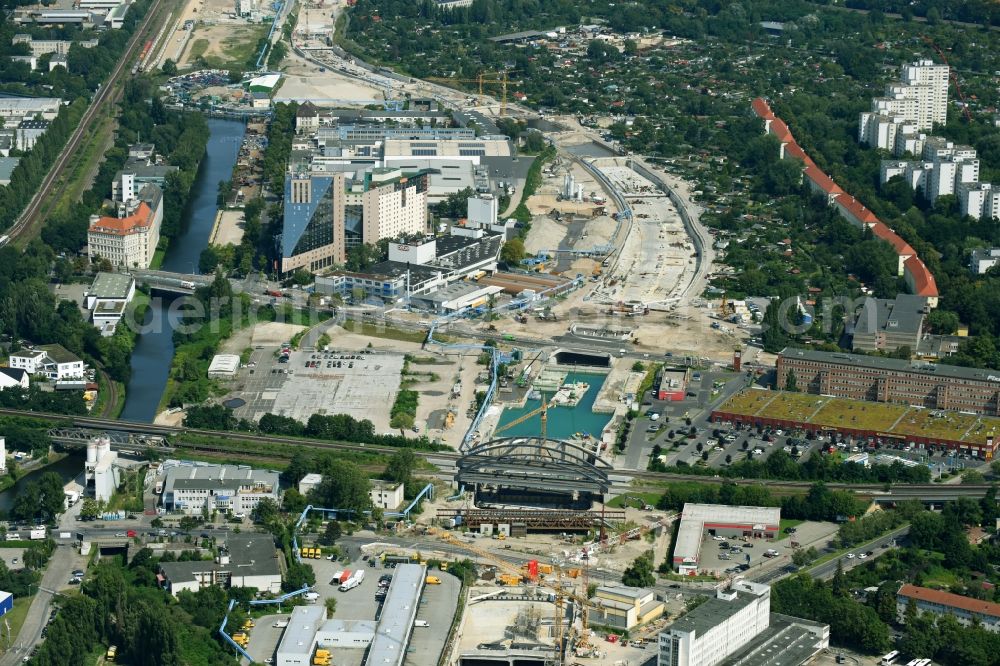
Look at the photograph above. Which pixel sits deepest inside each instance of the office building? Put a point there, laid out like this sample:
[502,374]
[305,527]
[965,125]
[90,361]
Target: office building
[966,610]
[887,324]
[879,379]
[979,200]
[313,233]
[107,299]
[193,488]
[54,362]
[386,495]
[483,210]
[29,107]
[983,259]
[673,384]
[737,627]
[130,239]
[101,472]
[699,521]
[246,560]
[625,607]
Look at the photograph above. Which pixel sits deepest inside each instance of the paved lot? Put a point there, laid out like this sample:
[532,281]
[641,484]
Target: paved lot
[362,385]
[437,606]
[8,555]
[264,637]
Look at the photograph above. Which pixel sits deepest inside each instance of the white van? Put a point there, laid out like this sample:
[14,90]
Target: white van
[311,597]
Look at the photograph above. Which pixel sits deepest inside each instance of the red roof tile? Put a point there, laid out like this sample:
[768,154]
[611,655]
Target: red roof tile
[902,248]
[857,210]
[823,181]
[923,281]
[780,130]
[142,217]
[761,108]
[950,600]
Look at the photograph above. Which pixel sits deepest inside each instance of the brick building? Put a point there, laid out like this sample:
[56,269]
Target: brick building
[878,379]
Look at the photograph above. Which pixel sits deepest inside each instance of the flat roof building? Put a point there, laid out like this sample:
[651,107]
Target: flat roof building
[398,613]
[107,299]
[737,627]
[887,324]
[673,384]
[224,366]
[190,487]
[625,607]
[299,638]
[697,520]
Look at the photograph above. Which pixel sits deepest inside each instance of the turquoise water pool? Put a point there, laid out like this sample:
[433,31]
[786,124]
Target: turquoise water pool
[564,422]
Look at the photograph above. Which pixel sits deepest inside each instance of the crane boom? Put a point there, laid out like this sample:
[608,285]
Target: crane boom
[543,410]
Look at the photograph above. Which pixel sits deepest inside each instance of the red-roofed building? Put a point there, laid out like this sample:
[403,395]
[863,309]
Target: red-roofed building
[920,280]
[762,109]
[855,212]
[130,239]
[902,248]
[820,183]
[965,609]
[779,129]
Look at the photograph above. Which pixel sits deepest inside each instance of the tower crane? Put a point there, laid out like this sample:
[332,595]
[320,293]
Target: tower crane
[481,80]
[543,410]
[561,592]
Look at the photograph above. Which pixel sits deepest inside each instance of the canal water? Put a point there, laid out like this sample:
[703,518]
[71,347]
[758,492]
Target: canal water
[563,422]
[68,469]
[154,351]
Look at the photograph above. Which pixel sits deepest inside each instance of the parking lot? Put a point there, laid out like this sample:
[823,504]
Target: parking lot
[361,384]
[264,637]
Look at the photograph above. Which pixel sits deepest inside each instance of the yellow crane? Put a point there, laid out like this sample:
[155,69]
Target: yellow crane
[561,592]
[543,410]
[482,80]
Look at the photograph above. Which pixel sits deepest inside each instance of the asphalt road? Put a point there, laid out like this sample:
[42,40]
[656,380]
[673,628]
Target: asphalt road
[878,547]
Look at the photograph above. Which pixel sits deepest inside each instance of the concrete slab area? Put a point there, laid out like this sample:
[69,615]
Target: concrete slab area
[265,636]
[437,607]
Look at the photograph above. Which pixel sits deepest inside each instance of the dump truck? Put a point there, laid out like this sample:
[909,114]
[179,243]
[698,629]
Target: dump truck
[111,653]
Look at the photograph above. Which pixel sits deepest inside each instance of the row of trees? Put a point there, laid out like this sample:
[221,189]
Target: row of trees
[819,503]
[335,427]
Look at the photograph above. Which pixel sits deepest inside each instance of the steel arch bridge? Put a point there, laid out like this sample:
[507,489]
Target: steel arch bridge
[536,464]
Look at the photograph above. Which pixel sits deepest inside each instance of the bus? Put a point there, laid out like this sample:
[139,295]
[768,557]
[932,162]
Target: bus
[889,659]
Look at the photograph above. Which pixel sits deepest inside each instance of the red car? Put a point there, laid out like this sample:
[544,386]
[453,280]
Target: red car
[130,534]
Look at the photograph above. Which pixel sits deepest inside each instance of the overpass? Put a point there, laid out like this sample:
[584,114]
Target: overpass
[177,283]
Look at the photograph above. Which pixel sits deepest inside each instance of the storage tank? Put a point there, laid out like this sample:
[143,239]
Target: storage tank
[92,452]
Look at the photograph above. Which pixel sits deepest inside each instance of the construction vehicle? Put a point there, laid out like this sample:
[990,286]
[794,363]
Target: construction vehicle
[444,566]
[248,624]
[111,653]
[726,308]
[509,579]
[322,657]
[543,410]
[433,580]
[241,639]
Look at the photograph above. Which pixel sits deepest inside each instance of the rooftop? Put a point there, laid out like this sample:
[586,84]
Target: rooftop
[58,354]
[252,554]
[7,166]
[190,477]
[862,361]
[903,314]
[695,516]
[112,285]
[788,641]
[300,633]
[950,600]
[718,609]
[120,226]
[398,612]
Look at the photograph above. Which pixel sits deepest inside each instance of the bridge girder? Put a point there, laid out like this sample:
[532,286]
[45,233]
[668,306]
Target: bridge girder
[534,463]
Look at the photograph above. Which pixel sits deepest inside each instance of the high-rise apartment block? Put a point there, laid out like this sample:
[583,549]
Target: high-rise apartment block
[909,107]
[944,168]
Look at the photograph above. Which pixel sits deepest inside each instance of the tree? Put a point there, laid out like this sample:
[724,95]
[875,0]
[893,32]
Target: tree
[169,67]
[640,573]
[265,511]
[89,509]
[344,486]
[512,252]
[400,466]
[331,533]
[331,605]
[791,383]
[403,421]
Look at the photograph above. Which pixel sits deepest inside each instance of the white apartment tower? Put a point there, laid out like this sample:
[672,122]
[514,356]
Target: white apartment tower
[909,107]
[393,205]
[979,200]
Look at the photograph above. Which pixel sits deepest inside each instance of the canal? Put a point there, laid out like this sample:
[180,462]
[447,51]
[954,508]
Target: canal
[68,469]
[563,422]
[154,351]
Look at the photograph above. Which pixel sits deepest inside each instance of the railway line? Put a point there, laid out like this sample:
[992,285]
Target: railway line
[110,92]
[642,479]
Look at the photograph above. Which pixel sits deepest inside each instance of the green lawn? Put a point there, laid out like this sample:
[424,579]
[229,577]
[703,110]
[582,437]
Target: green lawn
[374,331]
[16,616]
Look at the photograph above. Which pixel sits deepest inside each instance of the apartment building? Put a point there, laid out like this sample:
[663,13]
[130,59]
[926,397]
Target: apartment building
[944,168]
[914,104]
[54,361]
[130,239]
[394,205]
[880,379]
[979,200]
[983,259]
[966,610]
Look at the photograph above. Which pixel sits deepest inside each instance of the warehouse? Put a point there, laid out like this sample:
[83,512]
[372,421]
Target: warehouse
[734,522]
[224,366]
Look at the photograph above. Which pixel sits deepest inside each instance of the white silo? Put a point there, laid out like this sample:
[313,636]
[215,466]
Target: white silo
[92,452]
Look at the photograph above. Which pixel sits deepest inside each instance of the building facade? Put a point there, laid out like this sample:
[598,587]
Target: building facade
[394,205]
[881,379]
[246,560]
[53,361]
[983,259]
[386,495]
[192,489]
[966,610]
[625,607]
[130,239]
[887,324]
[979,200]
[313,232]
[109,296]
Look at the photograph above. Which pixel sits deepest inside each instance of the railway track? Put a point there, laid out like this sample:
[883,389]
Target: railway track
[640,476]
[109,92]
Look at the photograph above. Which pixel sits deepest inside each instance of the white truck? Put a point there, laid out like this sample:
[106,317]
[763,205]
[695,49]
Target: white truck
[36,533]
[353,581]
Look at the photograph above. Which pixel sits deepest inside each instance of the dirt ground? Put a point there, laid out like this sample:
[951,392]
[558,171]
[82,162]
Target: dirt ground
[228,228]
[222,44]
